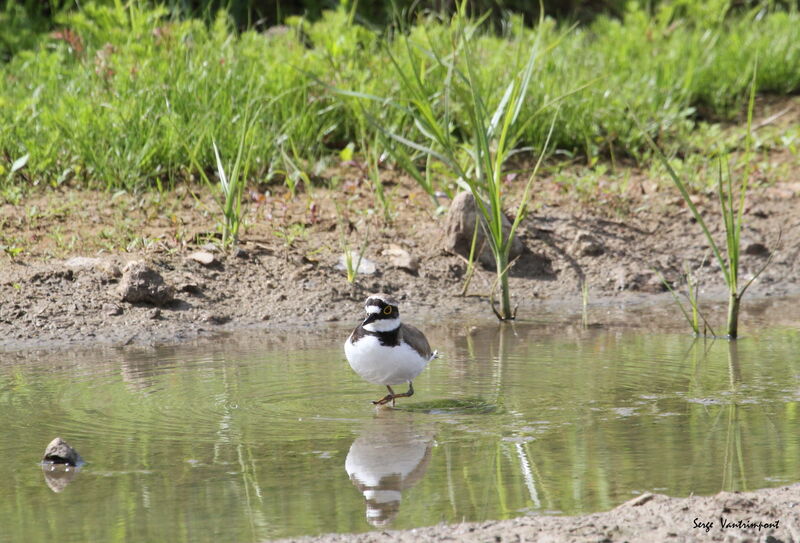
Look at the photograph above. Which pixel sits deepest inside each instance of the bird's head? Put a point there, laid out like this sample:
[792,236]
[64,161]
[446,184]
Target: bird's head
[383,314]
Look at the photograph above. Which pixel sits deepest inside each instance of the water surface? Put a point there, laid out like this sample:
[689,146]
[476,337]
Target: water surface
[270,434]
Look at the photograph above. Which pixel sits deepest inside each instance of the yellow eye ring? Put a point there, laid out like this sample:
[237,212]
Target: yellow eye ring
[387,310]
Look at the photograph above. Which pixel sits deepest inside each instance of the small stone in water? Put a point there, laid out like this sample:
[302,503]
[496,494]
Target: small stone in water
[59,451]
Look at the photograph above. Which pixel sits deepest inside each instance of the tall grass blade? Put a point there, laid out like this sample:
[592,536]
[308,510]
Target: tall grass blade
[732,214]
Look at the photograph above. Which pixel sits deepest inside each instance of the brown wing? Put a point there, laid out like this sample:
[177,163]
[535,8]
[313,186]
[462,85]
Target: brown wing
[416,340]
[357,334]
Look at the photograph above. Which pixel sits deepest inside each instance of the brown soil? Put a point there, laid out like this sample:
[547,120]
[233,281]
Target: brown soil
[649,518]
[286,272]
[609,234]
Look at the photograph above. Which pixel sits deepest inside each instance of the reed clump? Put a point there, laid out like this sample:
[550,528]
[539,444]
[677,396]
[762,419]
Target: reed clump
[731,200]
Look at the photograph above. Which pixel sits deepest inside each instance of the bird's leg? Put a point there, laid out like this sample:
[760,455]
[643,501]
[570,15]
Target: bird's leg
[405,394]
[386,399]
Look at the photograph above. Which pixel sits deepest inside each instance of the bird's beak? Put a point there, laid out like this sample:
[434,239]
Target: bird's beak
[371,317]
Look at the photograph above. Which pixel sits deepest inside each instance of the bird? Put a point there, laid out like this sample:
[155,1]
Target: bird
[385,351]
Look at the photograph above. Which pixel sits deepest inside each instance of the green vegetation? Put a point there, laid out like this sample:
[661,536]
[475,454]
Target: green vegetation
[22,20]
[692,314]
[232,185]
[477,164]
[110,97]
[352,261]
[731,204]
[584,302]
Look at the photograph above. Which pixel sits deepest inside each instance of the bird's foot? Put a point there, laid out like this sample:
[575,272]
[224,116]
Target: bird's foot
[386,399]
[391,397]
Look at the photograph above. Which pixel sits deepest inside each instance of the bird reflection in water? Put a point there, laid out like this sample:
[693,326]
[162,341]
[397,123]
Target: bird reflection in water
[389,456]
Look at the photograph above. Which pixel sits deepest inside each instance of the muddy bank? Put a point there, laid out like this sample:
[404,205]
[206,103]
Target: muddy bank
[769,515]
[610,229]
[277,279]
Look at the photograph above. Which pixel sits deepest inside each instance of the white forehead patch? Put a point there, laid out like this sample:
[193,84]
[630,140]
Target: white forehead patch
[372,309]
[383,298]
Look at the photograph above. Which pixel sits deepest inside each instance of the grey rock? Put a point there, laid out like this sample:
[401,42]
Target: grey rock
[140,283]
[191,287]
[460,226]
[213,318]
[365,265]
[639,500]
[81,263]
[586,244]
[638,280]
[301,273]
[755,248]
[154,314]
[400,258]
[60,452]
[203,257]
[112,310]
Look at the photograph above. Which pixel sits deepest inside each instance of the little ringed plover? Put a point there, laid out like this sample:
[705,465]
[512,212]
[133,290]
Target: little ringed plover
[384,351]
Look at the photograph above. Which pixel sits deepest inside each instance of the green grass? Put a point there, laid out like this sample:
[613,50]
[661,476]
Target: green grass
[110,104]
[478,163]
[692,314]
[731,199]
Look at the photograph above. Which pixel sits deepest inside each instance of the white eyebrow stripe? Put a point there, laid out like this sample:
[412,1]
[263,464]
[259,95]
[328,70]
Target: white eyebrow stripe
[372,309]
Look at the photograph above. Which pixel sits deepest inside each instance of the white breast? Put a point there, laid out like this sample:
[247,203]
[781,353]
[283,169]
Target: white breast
[383,365]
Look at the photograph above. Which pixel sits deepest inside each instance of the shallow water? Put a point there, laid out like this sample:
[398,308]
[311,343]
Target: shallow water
[270,434]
